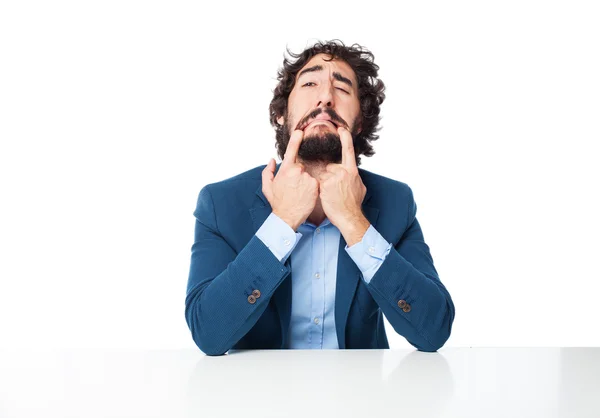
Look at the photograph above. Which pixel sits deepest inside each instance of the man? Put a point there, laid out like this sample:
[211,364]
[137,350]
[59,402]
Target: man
[311,252]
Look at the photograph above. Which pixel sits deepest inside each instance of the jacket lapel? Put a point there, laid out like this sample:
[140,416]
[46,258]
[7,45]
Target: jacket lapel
[348,274]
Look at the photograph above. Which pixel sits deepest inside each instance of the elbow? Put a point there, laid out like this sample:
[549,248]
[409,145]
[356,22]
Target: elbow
[434,345]
[428,349]
[431,345]
[207,342]
[205,338]
[210,351]
[438,338]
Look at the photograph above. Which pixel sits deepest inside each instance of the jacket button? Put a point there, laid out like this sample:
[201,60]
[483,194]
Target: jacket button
[256,293]
[406,308]
[251,299]
[401,303]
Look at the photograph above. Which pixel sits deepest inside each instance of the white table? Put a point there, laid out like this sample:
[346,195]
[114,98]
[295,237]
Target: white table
[454,382]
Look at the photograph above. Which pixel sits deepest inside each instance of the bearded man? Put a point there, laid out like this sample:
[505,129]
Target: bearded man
[310,253]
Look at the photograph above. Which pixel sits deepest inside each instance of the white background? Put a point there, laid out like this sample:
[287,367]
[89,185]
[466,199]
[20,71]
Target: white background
[114,114]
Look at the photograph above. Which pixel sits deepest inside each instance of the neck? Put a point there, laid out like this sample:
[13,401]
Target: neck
[315,169]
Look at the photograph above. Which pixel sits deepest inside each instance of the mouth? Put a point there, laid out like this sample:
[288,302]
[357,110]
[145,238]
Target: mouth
[317,121]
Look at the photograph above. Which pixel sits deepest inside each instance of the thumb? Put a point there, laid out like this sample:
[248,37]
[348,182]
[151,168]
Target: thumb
[271,167]
[267,177]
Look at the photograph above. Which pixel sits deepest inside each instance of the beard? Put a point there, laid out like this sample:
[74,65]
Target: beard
[320,145]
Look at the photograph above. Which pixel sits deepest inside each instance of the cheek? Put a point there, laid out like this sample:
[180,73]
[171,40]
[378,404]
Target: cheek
[351,110]
[295,114]
[356,108]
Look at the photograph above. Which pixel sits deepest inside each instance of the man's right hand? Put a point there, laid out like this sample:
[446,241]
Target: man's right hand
[293,193]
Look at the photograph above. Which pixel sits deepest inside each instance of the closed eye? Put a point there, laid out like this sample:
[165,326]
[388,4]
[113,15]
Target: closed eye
[310,82]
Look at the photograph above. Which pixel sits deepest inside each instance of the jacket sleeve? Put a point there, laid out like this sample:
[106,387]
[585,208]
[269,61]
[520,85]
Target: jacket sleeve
[220,307]
[369,253]
[409,292]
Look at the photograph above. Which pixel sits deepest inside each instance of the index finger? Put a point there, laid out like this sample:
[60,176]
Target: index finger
[291,151]
[348,158]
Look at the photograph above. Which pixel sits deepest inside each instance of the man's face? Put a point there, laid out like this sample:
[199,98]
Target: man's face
[323,89]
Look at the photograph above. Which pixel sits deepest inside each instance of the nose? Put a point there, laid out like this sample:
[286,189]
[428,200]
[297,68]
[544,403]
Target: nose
[325,95]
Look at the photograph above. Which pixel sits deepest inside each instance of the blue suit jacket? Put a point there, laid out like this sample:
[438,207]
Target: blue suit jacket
[239,293]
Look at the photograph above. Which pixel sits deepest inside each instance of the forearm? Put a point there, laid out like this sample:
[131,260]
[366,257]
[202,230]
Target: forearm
[220,311]
[428,323]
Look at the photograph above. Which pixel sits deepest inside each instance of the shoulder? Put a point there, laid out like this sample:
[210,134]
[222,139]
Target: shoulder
[384,188]
[252,175]
[237,189]
[395,203]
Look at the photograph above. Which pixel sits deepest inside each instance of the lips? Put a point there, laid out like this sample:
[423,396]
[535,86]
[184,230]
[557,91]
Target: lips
[319,120]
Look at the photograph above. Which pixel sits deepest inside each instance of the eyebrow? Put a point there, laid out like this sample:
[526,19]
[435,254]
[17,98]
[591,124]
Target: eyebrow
[336,75]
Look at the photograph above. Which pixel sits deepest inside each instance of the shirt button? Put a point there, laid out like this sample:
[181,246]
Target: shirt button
[371,249]
[316,320]
[318,230]
[286,242]
[317,275]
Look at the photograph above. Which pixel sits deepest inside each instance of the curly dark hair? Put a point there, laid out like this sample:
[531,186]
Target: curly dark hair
[370,90]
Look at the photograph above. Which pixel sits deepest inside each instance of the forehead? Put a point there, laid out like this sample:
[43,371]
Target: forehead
[336,65]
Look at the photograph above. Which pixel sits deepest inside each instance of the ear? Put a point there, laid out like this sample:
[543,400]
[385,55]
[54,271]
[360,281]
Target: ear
[280,120]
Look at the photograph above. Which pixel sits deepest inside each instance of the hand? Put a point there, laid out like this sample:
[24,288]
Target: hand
[340,187]
[293,193]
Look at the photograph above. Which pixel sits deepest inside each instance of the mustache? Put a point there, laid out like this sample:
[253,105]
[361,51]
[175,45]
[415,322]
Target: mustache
[334,117]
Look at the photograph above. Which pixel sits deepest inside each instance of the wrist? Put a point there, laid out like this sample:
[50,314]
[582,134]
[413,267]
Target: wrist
[354,230]
[290,223]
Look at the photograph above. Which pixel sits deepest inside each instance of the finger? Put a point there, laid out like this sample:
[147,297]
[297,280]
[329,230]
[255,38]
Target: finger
[268,172]
[348,158]
[291,151]
[268,175]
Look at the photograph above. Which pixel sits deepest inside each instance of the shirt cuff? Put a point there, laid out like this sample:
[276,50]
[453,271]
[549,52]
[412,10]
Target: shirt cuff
[278,236]
[369,253]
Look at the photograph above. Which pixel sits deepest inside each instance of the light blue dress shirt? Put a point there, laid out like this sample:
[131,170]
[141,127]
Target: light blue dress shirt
[314,272]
